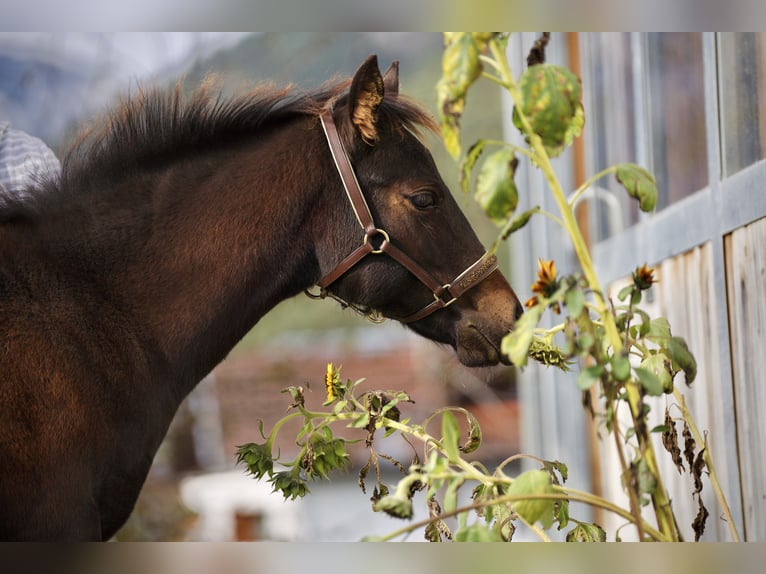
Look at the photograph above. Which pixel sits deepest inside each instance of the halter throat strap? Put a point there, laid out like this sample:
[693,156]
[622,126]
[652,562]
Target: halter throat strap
[376,241]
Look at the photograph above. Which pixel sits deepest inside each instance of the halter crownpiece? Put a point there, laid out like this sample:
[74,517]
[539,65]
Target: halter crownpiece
[376,241]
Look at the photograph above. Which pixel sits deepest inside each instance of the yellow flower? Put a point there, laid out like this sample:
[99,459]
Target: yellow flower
[329,380]
[546,284]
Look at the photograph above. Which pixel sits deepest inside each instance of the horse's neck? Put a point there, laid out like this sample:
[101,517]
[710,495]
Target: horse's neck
[226,239]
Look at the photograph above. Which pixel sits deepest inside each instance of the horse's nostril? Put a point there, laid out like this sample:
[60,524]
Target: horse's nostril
[519,311]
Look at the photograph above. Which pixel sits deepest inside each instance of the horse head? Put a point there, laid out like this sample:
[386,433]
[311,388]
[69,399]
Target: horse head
[400,244]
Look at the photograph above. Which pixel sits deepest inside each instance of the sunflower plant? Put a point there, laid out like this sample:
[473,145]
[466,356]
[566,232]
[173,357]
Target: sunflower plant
[624,356]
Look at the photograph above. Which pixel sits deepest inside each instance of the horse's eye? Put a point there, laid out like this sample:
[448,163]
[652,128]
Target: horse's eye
[423,200]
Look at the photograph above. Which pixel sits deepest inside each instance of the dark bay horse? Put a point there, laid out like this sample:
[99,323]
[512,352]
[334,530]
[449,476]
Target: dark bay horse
[176,223]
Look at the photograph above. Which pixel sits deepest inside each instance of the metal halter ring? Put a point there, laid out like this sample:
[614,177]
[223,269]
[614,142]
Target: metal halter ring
[372,233]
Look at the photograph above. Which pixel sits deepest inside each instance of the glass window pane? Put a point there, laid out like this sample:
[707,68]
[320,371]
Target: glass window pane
[676,114]
[742,79]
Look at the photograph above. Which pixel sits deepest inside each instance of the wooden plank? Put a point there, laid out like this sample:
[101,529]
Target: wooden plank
[684,295]
[746,287]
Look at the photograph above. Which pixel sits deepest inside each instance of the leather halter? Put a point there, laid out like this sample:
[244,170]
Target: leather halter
[376,242]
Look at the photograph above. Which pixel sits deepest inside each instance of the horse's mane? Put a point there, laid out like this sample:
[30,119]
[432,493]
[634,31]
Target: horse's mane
[154,126]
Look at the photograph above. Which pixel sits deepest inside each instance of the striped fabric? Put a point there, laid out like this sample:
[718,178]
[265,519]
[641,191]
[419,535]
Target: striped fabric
[24,159]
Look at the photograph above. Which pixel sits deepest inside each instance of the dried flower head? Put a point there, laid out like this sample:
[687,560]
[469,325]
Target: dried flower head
[547,283]
[643,277]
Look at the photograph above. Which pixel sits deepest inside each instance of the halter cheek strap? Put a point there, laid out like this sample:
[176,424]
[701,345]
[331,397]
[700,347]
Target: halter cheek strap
[376,241]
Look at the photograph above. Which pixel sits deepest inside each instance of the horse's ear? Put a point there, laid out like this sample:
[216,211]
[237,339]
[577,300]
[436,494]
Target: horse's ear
[365,95]
[391,79]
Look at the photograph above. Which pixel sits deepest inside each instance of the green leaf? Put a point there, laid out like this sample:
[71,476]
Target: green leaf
[682,358]
[495,189]
[647,482]
[516,344]
[659,331]
[551,102]
[659,365]
[531,483]
[575,301]
[620,367]
[639,184]
[468,163]
[585,532]
[450,495]
[450,436]
[588,376]
[461,67]
[651,382]
[478,532]
[624,292]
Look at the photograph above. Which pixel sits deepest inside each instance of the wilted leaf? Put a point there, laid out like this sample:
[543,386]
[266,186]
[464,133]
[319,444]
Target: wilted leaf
[551,102]
[682,358]
[670,441]
[699,521]
[531,483]
[468,163]
[518,222]
[460,68]
[437,528]
[495,189]
[474,433]
[697,468]
[584,532]
[516,344]
[639,183]
[689,445]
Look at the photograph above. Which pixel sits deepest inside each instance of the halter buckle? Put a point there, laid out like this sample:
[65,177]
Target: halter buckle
[445,289]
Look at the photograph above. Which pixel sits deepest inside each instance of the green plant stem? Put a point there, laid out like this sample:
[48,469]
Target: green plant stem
[635,508]
[710,466]
[584,187]
[564,494]
[660,500]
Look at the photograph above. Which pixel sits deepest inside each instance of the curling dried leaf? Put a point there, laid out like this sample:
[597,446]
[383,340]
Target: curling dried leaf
[552,103]
[682,358]
[518,222]
[474,433]
[670,441]
[495,189]
[689,445]
[699,521]
[639,184]
[468,163]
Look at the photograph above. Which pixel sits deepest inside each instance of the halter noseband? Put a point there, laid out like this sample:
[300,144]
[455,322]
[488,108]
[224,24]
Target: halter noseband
[376,241]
